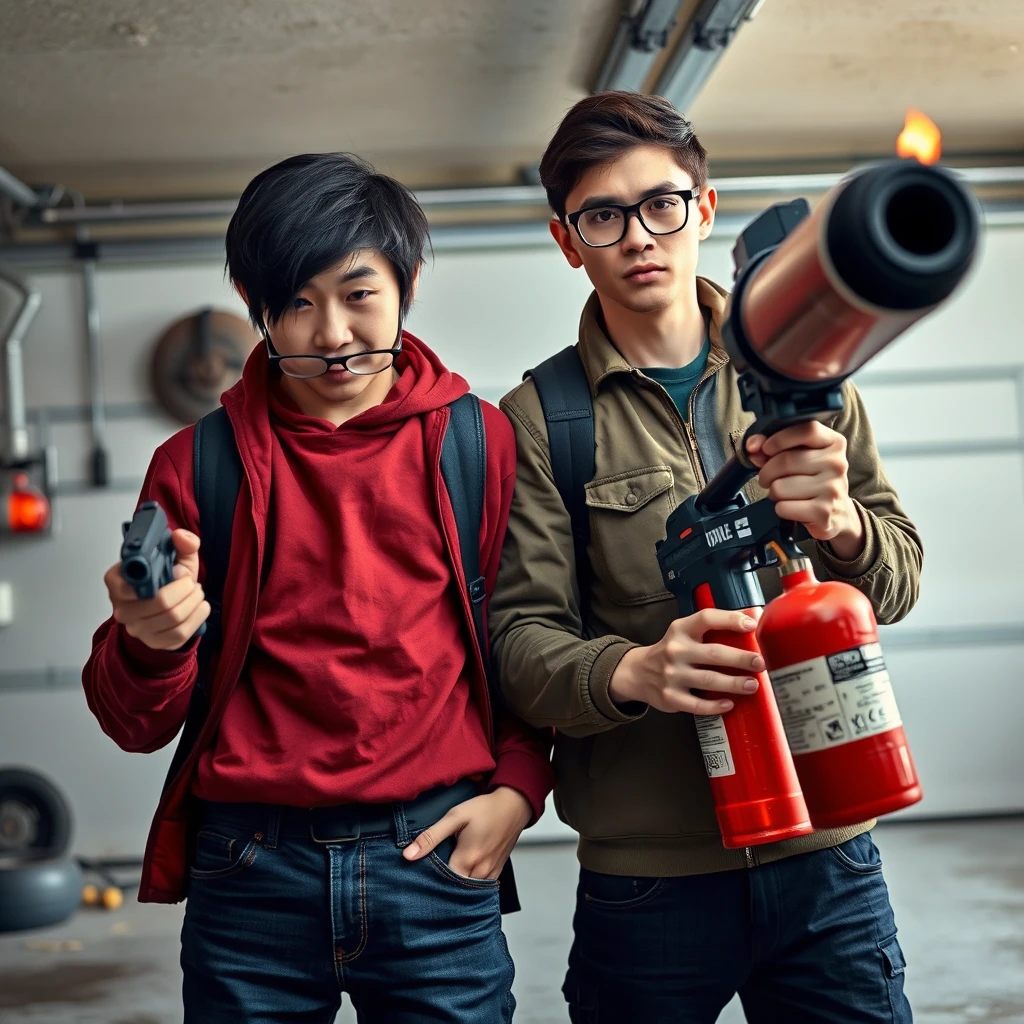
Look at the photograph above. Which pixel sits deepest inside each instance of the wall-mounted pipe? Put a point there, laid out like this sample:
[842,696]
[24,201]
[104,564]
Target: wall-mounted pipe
[86,253]
[14,374]
[484,197]
[17,190]
[528,234]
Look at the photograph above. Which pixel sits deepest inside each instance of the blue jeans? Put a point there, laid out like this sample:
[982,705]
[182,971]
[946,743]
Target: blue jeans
[277,926]
[806,940]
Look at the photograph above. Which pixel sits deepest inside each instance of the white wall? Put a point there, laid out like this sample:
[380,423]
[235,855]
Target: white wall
[490,315]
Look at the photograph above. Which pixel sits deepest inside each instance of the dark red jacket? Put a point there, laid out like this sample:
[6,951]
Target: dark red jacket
[140,696]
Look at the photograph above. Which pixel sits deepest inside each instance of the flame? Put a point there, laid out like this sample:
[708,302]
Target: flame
[920,138]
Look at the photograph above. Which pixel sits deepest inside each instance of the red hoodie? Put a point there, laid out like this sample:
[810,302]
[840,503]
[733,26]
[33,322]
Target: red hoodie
[350,673]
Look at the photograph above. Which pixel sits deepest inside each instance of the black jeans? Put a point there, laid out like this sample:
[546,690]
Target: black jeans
[278,925]
[807,940]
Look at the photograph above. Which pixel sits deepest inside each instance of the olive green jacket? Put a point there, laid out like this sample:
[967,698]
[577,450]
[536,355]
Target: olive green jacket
[634,785]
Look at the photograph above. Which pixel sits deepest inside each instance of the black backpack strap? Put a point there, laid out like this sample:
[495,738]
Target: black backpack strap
[565,397]
[217,478]
[464,467]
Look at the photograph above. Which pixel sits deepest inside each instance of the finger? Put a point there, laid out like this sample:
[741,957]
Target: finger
[118,588]
[809,513]
[803,488]
[707,679]
[166,599]
[478,866]
[178,636]
[695,626]
[804,462]
[809,434]
[429,838]
[723,656]
[466,863]
[150,626]
[185,542]
[755,443]
[681,700]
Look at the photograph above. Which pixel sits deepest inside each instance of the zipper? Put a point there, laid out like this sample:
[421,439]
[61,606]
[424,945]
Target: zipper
[708,373]
[696,461]
[748,852]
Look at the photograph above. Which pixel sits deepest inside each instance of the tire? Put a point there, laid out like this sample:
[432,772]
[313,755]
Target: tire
[35,819]
[34,894]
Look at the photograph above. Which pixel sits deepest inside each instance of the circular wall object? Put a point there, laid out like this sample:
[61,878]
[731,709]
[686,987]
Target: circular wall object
[198,358]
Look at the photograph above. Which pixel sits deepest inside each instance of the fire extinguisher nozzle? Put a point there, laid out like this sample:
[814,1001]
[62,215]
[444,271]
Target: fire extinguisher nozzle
[794,565]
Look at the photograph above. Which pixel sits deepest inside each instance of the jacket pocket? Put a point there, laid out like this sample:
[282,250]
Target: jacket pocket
[627,517]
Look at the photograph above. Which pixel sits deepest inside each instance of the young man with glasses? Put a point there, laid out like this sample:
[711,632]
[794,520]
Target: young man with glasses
[670,925]
[346,826]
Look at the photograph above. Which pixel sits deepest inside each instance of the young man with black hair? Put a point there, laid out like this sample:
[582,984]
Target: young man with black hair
[669,924]
[345,825]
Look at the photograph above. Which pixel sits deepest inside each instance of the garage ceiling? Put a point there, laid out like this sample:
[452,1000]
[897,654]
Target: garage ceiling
[174,97]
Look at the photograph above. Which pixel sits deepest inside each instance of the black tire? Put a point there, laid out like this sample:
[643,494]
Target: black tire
[35,819]
[34,894]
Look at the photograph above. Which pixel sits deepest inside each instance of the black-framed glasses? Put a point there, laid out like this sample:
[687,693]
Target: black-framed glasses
[663,214]
[363,364]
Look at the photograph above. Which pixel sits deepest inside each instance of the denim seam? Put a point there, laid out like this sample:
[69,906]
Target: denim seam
[364,931]
[475,884]
[510,1004]
[855,866]
[334,881]
[887,980]
[636,901]
[244,861]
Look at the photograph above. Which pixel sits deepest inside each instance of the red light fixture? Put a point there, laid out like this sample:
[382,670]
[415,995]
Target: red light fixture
[28,510]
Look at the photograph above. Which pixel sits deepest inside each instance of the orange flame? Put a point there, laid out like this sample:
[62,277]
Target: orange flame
[920,138]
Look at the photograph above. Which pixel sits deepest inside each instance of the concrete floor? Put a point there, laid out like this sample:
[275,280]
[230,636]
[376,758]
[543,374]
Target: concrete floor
[958,890]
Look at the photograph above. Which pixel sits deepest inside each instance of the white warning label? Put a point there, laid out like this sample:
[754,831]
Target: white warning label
[841,698]
[714,745]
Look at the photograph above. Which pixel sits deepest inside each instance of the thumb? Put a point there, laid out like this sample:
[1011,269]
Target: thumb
[186,544]
[754,448]
[428,839]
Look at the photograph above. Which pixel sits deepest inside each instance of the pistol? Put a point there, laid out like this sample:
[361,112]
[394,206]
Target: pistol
[147,552]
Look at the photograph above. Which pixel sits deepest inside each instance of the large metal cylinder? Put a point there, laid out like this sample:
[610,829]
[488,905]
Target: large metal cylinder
[884,248]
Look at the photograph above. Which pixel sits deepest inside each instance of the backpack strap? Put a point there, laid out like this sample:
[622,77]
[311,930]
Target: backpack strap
[565,397]
[217,479]
[464,468]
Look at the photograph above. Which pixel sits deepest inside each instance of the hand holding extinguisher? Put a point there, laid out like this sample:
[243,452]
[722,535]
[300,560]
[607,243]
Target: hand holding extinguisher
[685,659]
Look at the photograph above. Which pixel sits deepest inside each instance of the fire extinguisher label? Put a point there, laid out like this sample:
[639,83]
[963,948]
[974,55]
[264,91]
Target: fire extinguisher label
[714,745]
[841,698]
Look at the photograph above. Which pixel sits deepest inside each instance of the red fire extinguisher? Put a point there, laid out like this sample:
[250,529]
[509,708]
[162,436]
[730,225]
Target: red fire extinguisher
[753,781]
[820,644]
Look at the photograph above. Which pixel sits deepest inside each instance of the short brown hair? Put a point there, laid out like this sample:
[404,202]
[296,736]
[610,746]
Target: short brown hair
[602,126]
